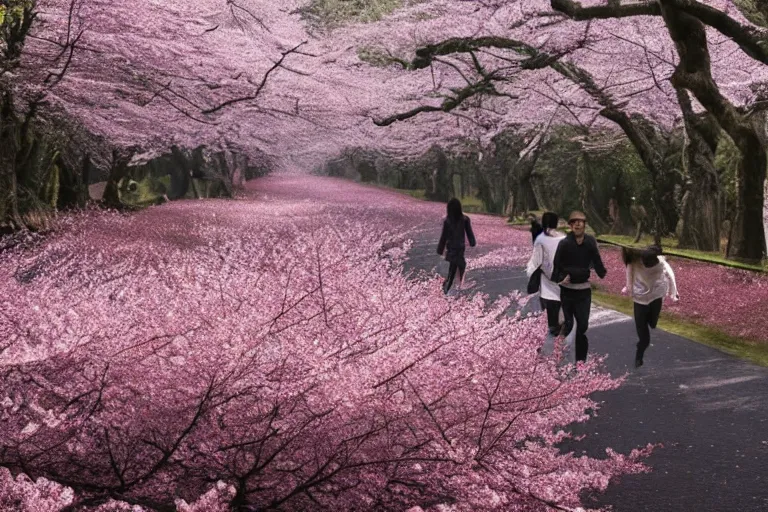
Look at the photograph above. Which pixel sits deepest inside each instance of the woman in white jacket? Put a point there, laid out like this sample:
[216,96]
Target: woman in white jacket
[544,248]
[649,280]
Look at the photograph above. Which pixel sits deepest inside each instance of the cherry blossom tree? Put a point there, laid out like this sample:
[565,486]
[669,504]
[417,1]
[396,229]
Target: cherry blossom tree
[693,72]
[272,354]
[31,66]
[643,84]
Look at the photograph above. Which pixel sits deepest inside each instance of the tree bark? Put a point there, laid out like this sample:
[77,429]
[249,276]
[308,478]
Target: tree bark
[526,197]
[9,148]
[701,215]
[693,72]
[747,239]
[117,171]
[586,197]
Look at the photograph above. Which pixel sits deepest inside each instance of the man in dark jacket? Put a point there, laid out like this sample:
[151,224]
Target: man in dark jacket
[576,254]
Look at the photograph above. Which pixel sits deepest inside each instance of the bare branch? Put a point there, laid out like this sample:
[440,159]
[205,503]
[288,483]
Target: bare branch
[260,86]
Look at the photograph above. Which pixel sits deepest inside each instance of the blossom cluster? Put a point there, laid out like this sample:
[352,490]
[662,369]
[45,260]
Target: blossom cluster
[150,79]
[269,352]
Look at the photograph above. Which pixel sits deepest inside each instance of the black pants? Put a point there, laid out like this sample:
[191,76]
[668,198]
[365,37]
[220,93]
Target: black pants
[646,318]
[576,304]
[457,263]
[552,307]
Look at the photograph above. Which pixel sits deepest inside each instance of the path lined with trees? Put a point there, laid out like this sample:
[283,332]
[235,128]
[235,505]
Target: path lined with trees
[512,77]
[706,408]
[259,351]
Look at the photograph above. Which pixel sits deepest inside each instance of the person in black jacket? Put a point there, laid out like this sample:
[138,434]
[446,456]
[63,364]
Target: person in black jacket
[576,254]
[456,227]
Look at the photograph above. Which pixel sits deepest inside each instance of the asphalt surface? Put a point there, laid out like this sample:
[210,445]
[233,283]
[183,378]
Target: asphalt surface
[708,409]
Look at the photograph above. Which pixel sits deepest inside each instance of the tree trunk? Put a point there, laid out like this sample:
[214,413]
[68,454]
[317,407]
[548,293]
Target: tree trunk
[586,198]
[747,240]
[700,208]
[526,195]
[117,171]
[9,148]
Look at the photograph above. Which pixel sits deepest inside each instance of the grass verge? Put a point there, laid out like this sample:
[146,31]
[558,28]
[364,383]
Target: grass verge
[670,247]
[417,193]
[751,350]
[470,204]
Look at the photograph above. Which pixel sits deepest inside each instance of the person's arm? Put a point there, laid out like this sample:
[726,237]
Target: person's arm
[672,283]
[470,233]
[536,259]
[630,280]
[597,262]
[558,273]
[443,239]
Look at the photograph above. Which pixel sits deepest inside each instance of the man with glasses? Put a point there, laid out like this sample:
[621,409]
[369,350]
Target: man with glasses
[576,254]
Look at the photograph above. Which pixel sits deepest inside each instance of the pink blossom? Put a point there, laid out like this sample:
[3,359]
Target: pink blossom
[274,345]
[150,83]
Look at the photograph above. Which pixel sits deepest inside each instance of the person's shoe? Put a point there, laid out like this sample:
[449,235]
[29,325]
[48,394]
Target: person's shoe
[452,292]
[638,363]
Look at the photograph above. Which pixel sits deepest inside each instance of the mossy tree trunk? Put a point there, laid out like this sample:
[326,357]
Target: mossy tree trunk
[700,206]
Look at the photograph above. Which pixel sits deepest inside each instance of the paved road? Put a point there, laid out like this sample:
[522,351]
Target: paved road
[710,410]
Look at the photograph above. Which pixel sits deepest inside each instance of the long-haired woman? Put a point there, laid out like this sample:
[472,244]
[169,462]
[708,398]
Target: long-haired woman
[649,280]
[456,228]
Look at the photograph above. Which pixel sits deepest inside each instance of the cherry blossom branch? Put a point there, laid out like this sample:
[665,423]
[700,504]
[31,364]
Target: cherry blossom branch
[261,84]
[752,40]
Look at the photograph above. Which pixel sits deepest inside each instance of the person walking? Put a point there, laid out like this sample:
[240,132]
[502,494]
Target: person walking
[544,249]
[649,280]
[456,228]
[576,254]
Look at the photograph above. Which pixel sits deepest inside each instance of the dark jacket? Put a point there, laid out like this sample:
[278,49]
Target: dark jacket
[453,236]
[576,260]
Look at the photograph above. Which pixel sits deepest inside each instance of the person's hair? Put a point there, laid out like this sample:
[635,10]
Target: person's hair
[536,228]
[549,221]
[649,257]
[580,215]
[454,210]
[629,255]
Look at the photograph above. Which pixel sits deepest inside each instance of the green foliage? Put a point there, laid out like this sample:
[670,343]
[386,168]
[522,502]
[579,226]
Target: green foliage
[555,172]
[472,204]
[15,20]
[374,56]
[418,193]
[727,159]
[332,13]
[566,177]
[51,191]
[670,247]
[754,10]
[179,174]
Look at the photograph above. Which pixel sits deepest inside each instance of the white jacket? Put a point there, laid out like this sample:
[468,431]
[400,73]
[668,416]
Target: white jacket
[646,284]
[544,249]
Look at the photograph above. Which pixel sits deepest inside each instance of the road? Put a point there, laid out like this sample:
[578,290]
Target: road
[709,409]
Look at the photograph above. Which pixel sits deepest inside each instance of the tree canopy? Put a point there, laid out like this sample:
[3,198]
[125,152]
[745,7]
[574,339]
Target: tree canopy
[256,73]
